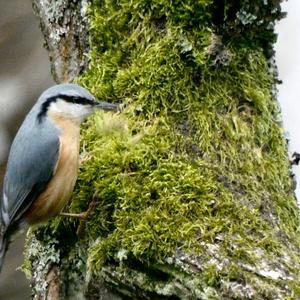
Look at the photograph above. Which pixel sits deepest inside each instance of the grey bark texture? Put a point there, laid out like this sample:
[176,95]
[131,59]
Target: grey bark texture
[64,27]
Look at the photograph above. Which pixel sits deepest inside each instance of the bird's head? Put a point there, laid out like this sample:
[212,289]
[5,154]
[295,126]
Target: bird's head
[70,101]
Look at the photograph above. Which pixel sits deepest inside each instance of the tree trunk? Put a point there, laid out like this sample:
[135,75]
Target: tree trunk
[190,186]
[64,26]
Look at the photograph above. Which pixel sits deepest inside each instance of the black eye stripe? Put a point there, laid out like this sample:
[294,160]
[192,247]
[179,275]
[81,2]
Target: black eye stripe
[77,100]
[67,98]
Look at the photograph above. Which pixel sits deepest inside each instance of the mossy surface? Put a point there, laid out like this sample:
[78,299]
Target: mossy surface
[191,181]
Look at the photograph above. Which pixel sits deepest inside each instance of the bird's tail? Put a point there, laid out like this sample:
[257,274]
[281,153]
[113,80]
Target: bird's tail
[3,246]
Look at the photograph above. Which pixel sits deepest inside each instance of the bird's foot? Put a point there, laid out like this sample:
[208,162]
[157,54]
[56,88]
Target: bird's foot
[82,216]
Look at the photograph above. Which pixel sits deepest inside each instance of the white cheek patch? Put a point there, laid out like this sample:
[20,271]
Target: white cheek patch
[71,110]
[60,106]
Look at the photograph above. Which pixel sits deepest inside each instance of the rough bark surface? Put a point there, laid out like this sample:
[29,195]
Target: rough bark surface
[192,186]
[53,282]
[64,26]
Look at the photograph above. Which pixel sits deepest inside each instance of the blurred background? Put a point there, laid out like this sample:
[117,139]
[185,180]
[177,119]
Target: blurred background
[25,73]
[288,62]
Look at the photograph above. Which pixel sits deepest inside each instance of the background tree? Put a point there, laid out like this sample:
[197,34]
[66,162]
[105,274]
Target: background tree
[189,189]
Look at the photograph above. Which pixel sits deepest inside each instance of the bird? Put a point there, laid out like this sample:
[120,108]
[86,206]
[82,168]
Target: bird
[43,160]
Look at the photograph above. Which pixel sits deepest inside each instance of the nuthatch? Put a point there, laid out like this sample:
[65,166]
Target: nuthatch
[43,160]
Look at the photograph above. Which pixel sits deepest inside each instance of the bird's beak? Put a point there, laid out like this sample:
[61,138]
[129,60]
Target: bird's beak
[107,106]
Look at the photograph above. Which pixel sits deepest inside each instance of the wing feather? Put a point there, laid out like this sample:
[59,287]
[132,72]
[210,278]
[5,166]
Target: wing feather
[31,164]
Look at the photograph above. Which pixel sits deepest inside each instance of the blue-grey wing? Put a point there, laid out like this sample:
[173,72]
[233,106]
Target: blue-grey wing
[31,163]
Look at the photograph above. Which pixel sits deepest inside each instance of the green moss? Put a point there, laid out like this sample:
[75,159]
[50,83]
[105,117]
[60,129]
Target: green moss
[193,174]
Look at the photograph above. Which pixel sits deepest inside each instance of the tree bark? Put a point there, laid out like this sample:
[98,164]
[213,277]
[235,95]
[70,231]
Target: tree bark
[64,27]
[192,183]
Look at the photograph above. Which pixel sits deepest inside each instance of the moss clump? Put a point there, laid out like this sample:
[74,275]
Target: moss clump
[248,23]
[191,182]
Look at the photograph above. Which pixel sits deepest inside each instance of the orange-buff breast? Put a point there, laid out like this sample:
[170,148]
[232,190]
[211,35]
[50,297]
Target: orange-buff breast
[59,189]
